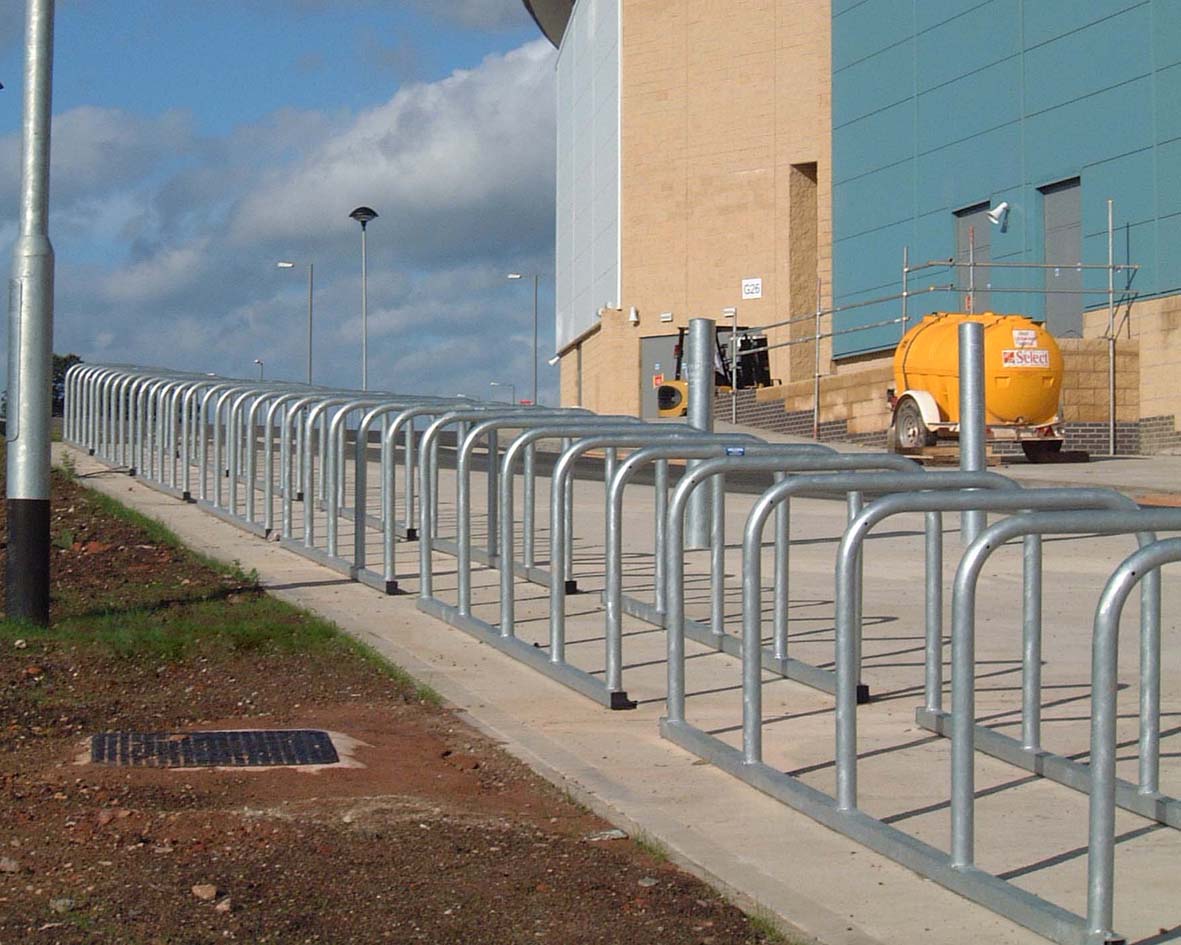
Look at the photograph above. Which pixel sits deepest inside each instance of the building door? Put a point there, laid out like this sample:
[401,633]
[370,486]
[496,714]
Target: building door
[1063,250]
[973,244]
[658,361]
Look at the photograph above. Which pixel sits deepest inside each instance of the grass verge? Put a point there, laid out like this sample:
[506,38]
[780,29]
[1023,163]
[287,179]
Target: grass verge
[179,605]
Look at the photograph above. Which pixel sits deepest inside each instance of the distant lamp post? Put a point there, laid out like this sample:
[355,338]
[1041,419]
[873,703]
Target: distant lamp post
[311,275]
[536,280]
[512,389]
[363,215]
[259,362]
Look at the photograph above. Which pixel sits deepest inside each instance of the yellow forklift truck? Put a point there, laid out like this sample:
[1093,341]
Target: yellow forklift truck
[754,370]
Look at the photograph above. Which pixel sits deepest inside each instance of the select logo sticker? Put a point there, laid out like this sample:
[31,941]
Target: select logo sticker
[1025,357]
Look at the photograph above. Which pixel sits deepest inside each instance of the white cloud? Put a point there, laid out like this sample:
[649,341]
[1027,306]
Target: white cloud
[460,162]
[167,241]
[159,277]
[96,151]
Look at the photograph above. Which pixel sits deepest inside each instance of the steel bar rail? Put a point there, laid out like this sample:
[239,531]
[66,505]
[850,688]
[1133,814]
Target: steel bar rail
[556,424]
[777,660]
[387,580]
[428,464]
[581,437]
[560,580]
[1027,751]
[615,602]
[1104,784]
[553,422]
[963,729]
[405,410]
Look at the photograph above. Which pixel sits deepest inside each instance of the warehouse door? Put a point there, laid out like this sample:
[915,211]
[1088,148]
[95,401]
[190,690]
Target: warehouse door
[1061,216]
[658,361]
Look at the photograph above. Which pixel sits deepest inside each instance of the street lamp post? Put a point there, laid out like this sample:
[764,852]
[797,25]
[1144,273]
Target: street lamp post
[536,280]
[259,362]
[311,276]
[30,339]
[363,215]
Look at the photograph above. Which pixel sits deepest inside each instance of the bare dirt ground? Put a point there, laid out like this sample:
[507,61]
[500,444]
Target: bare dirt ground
[437,837]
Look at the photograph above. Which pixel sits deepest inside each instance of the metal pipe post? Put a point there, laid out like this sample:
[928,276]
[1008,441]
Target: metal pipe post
[699,366]
[311,279]
[816,367]
[536,279]
[364,311]
[30,339]
[905,286]
[971,338]
[733,315]
[1110,331]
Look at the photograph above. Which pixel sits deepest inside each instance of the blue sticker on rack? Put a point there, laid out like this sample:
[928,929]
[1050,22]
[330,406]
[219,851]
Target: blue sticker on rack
[735,450]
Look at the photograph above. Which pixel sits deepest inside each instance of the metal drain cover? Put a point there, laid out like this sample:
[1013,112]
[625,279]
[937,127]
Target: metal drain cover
[243,749]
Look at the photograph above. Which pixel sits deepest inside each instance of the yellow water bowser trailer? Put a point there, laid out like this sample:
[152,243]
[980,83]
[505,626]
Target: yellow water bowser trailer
[1022,383]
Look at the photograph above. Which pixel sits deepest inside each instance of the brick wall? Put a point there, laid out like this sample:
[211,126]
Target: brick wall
[1085,394]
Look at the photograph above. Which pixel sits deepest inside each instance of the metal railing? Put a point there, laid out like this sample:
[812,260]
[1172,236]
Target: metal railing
[198,437]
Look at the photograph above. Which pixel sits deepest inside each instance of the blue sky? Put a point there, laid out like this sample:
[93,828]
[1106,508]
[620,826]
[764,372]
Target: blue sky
[196,144]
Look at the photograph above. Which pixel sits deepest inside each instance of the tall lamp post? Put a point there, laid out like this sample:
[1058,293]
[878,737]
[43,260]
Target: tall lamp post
[259,362]
[311,275]
[30,340]
[536,280]
[363,215]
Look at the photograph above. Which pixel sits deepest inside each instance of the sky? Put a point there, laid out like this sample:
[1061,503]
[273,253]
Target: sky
[196,144]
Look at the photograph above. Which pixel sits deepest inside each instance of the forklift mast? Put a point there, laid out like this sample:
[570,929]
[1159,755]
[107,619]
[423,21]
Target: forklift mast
[751,370]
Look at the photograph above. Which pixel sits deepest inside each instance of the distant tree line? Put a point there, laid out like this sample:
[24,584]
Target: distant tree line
[61,364]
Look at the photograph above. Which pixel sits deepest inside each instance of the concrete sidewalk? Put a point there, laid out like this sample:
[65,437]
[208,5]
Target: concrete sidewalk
[1138,476]
[762,853]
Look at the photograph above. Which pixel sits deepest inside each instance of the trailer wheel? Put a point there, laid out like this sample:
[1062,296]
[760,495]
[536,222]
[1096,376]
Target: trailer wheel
[910,431]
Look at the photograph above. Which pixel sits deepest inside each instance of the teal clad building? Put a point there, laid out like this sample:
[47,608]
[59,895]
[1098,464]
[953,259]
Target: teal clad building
[1039,111]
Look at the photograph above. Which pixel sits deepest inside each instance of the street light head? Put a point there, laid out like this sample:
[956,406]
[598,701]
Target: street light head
[258,360]
[285,265]
[363,215]
[513,275]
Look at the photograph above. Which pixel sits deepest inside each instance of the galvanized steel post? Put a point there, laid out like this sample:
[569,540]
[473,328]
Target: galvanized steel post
[971,338]
[30,340]
[699,370]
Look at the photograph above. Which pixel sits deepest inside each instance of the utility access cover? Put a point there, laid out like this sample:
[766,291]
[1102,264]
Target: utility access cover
[244,749]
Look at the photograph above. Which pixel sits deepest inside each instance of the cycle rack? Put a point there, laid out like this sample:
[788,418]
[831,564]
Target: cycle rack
[956,871]
[1027,751]
[609,432]
[161,425]
[777,659]
[560,581]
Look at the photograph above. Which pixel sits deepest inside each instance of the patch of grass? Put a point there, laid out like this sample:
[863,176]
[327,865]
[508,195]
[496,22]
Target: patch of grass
[68,467]
[255,623]
[12,630]
[762,924]
[219,614]
[63,539]
[653,847]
